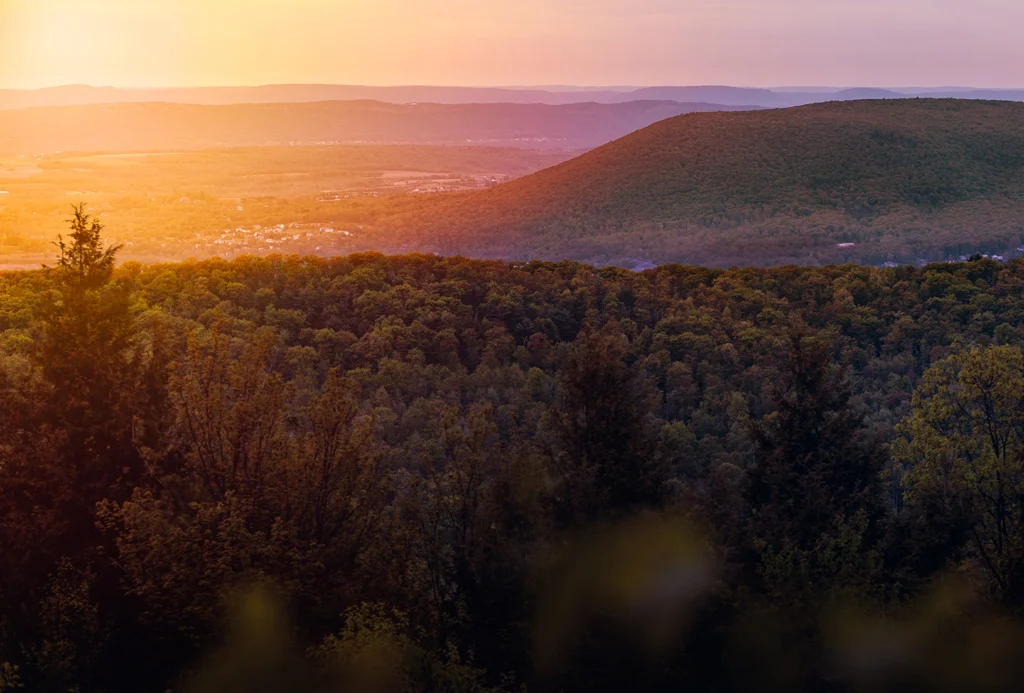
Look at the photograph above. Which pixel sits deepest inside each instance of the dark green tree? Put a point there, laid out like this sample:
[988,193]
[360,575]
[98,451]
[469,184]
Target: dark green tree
[604,452]
[814,491]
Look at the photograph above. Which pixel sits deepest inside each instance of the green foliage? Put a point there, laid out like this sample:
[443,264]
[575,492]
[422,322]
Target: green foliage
[375,652]
[88,360]
[815,486]
[9,679]
[74,634]
[963,447]
[605,451]
[415,457]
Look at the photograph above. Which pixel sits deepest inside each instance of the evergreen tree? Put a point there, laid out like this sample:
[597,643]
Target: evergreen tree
[815,488]
[84,263]
[87,357]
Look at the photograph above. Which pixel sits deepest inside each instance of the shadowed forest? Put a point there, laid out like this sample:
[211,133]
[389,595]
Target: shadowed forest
[415,473]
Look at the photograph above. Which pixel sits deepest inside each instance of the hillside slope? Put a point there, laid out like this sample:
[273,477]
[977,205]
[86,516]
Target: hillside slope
[164,126]
[898,179]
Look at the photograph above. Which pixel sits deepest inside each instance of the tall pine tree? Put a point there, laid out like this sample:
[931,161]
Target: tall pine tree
[87,356]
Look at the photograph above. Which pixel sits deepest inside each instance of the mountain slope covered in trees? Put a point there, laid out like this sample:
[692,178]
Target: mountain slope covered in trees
[863,181]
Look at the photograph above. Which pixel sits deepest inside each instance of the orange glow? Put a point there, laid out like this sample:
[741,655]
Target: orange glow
[471,42]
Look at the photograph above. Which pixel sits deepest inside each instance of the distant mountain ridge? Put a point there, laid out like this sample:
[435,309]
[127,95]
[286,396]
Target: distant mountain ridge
[859,181]
[162,126]
[76,95]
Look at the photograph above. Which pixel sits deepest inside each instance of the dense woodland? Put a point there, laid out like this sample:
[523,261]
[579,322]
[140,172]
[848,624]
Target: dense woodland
[419,473]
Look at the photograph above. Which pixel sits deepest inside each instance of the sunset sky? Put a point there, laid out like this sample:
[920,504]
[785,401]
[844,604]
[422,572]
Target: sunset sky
[517,42]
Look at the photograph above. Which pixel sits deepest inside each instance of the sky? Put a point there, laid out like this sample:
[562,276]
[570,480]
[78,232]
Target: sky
[156,43]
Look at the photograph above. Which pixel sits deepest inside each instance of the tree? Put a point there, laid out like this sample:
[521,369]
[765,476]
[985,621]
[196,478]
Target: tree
[605,434]
[66,446]
[85,263]
[87,357]
[962,449]
[337,470]
[815,488]
[273,483]
[230,407]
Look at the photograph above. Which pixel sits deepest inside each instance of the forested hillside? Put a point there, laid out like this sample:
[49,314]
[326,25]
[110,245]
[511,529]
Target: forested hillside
[437,474]
[863,181]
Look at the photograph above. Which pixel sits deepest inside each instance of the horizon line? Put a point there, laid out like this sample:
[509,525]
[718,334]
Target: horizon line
[552,88]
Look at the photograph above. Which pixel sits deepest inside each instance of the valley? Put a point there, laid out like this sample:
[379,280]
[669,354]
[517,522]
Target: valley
[231,201]
[884,182]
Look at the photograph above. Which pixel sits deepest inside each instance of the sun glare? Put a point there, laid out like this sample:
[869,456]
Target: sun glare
[53,42]
[140,43]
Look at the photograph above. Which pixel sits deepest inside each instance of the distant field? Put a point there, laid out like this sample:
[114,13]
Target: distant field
[18,167]
[170,205]
[278,170]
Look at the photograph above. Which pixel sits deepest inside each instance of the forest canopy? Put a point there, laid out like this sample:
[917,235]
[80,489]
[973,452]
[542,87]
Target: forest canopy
[419,473]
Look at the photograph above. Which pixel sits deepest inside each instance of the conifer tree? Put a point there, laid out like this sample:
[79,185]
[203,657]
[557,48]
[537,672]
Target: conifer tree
[86,355]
